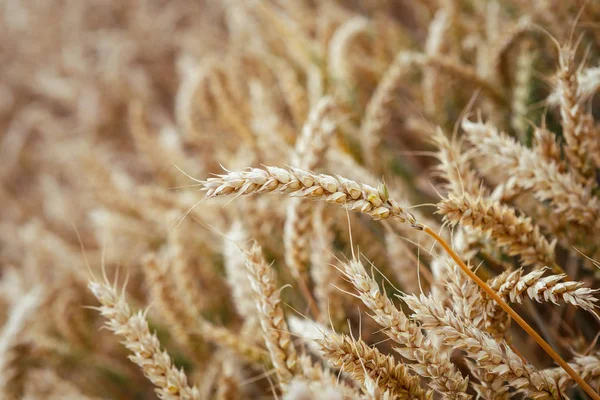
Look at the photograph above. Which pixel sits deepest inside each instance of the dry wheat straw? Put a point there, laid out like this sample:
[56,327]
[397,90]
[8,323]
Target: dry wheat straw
[566,196]
[429,362]
[371,201]
[517,234]
[357,358]
[270,314]
[171,383]
[481,347]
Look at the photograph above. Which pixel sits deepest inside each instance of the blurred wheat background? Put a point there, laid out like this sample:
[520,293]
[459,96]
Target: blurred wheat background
[207,199]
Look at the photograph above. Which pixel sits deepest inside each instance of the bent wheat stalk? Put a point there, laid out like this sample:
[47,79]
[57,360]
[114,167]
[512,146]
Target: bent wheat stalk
[368,200]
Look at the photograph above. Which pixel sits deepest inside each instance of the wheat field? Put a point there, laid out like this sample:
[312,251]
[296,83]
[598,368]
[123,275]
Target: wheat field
[299,199]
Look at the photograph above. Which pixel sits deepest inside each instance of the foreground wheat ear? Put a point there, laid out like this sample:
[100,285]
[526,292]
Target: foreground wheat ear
[365,199]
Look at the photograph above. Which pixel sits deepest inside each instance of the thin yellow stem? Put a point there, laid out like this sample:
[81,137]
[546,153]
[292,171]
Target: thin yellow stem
[308,297]
[530,331]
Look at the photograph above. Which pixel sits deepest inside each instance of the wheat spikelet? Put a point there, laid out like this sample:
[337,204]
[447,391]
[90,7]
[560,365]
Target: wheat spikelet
[156,364]
[488,387]
[547,147]
[455,168]
[356,358]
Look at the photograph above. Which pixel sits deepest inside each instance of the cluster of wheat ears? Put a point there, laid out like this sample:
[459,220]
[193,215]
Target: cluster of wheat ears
[370,199]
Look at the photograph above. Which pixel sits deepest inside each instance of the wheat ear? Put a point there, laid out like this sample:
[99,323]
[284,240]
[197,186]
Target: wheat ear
[522,323]
[566,196]
[295,182]
[358,359]
[576,124]
[171,383]
[514,286]
[517,234]
[270,314]
[430,362]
